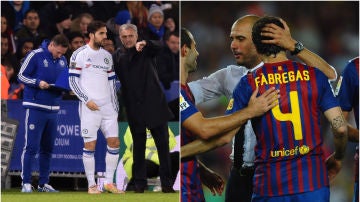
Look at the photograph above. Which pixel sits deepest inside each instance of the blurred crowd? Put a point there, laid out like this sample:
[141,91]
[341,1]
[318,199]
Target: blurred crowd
[25,24]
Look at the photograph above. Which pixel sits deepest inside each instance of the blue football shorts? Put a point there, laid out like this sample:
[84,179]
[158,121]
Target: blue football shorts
[319,195]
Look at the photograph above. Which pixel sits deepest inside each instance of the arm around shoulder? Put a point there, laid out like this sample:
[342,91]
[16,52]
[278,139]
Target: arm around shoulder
[205,128]
[201,146]
[314,60]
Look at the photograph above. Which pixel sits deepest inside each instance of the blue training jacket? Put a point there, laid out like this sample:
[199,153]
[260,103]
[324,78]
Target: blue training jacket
[39,65]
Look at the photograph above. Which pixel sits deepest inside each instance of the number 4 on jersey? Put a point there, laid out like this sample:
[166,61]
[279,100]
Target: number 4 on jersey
[293,117]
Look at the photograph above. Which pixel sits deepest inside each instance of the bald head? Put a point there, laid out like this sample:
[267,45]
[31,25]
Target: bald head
[241,41]
[247,19]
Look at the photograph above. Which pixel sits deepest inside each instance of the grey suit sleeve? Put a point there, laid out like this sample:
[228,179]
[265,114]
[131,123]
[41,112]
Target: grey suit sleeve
[217,84]
[208,88]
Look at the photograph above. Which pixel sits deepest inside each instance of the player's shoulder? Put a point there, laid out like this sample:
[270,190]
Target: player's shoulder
[310,69]
[301,66]
[105,52]
[352,67]
[79,52]
[352,64]
[233,70]
[354,60]
[39,50]
[236,68]
[36,53]
[83,48]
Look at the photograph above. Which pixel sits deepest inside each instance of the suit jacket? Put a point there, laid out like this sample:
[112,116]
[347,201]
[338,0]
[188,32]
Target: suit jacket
[144,99]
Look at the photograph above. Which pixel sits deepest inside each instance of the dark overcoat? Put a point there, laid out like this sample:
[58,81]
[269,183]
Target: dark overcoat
[144,99]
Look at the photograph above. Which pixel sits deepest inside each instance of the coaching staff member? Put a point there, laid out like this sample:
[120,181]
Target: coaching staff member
[145,103]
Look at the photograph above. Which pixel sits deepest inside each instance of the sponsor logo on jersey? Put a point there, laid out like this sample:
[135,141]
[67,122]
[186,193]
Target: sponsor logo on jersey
[31,126]
[101,67]
[302,150]
[106,61]
[183,103]
[231,104]
[84,131]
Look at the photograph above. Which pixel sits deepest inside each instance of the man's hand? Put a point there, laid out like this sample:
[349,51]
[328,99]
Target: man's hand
[333,166]
[92,106]
[212,180]
[140,45]
[259,105]
[43,85]
[280,37]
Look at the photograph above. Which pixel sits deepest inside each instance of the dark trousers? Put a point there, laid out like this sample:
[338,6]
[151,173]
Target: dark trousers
[161,138]
[239,188]
[152,170]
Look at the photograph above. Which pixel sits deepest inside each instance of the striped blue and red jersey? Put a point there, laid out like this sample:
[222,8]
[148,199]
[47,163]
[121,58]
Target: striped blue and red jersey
[289,157]
[347,91]
[191,187]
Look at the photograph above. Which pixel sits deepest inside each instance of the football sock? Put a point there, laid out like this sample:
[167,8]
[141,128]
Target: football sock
[111,160]
[89,166]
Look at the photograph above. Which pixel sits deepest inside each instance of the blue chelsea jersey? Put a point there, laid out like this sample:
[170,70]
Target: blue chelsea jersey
[39,65]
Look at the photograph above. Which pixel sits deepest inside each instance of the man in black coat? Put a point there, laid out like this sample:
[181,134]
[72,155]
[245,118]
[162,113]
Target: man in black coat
[145,103]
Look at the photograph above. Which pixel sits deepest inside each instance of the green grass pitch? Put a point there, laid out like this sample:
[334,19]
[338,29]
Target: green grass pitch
[14,195]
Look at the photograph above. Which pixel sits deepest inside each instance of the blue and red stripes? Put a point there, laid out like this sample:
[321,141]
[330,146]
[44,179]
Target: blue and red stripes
[281,168]
[191,187]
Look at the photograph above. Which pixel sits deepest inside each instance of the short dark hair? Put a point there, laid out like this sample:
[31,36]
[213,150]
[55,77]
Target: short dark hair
[60,40]
[95,26]
[72,35]
[261,48]
[185,37]
[22,41]
[168,34]
[31,11]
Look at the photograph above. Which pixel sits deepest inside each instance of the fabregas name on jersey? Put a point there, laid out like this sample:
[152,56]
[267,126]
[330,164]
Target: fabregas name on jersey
[282,78]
